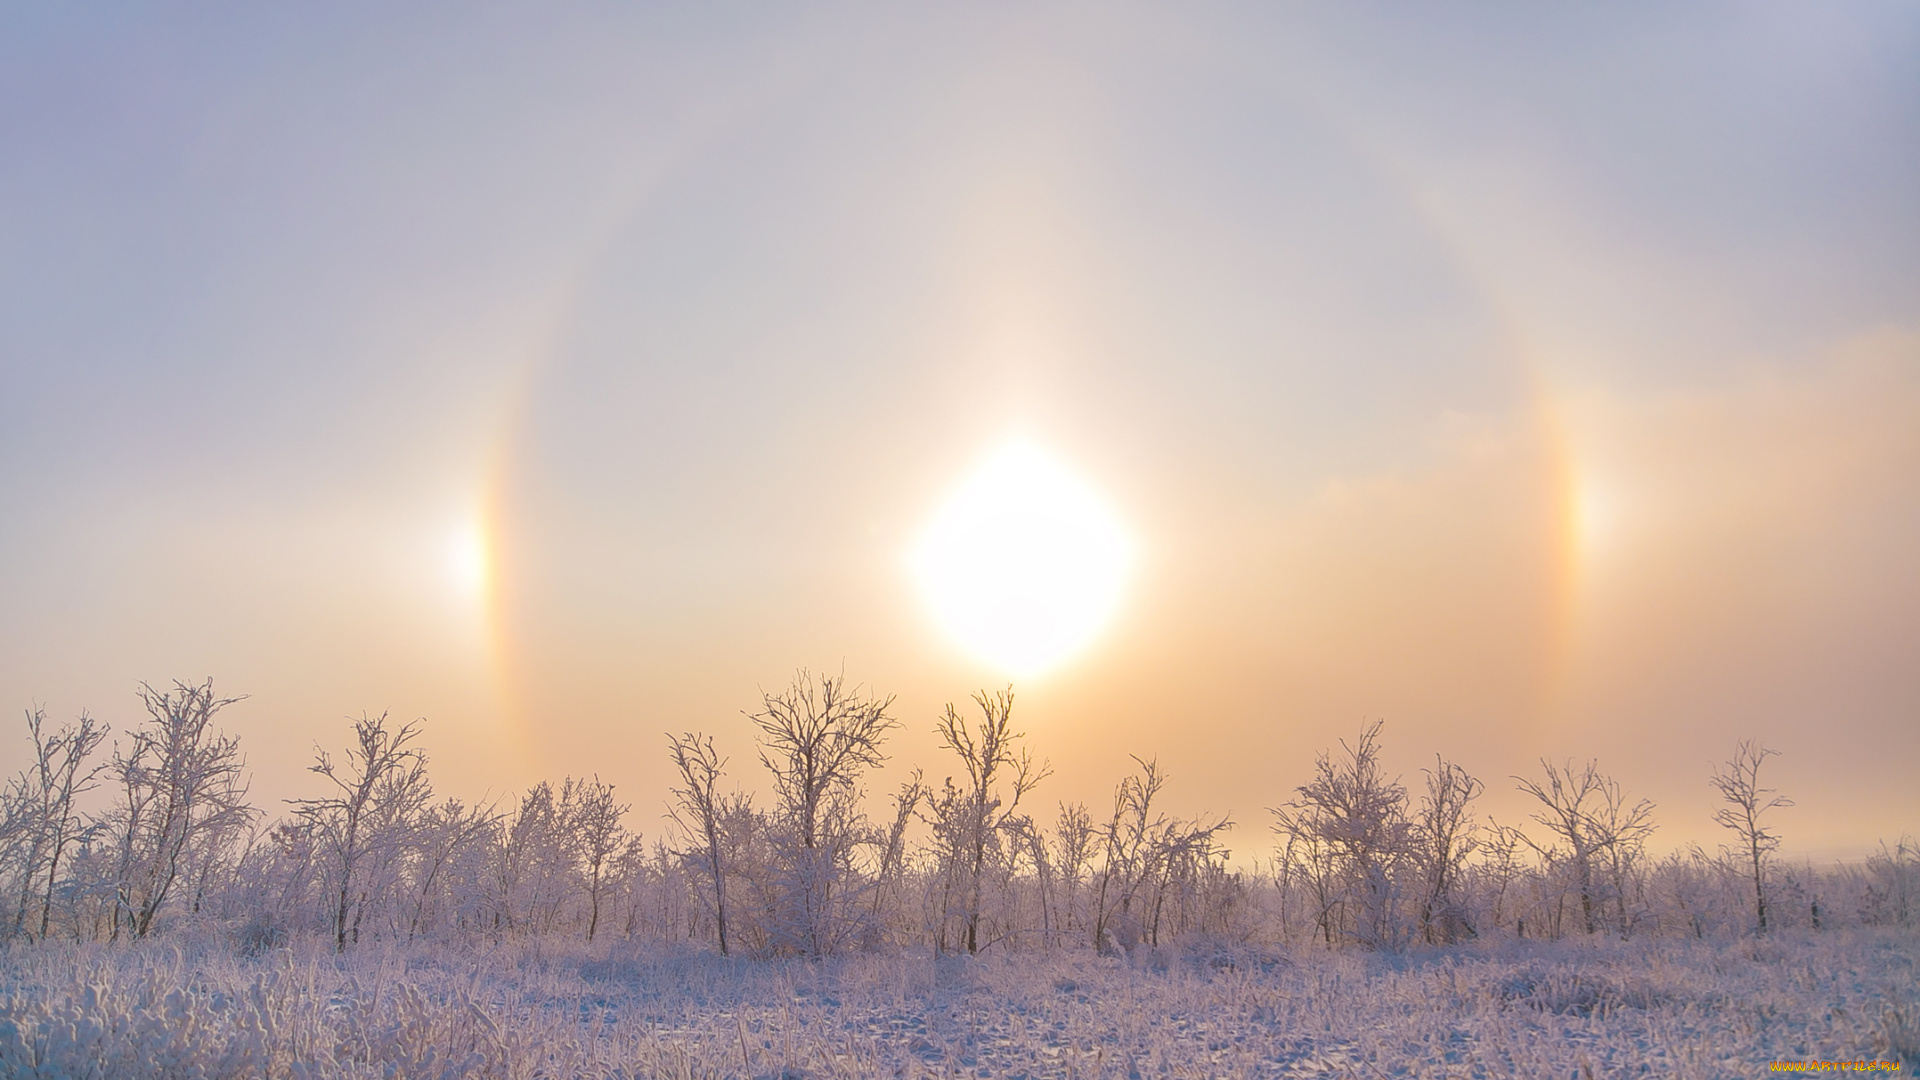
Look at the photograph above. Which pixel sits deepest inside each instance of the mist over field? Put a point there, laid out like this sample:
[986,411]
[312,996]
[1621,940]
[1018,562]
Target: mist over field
[1098,540]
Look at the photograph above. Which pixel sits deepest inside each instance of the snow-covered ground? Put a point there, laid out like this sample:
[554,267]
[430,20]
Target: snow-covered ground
[1568,1009]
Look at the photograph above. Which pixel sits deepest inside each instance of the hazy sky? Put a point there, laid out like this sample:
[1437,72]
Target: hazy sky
[1539,380]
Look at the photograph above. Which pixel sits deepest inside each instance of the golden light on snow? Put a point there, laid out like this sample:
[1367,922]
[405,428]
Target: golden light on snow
[1024,564]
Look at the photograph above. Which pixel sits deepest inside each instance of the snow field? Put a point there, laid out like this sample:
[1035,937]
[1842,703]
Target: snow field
[1657,1007]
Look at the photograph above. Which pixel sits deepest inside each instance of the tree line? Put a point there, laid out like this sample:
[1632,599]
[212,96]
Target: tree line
[823,868]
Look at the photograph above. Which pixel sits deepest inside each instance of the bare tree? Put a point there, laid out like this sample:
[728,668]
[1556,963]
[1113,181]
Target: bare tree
[1738,782]
[381,773]
[701,812]
[180,784]
[588,825]
[1621,831]
[39,821]
[1308,860]
[1073,837]
[1500,868]
[818,738]
[1357,818]
[445,832]
[1567,796]
[594,822]
[1586,810]
[893,857]
[759,878]
[1185,863]
[1146,857]
[981,812]
[1445,837]
[535,862]
[1031,840]
[1126,858]
[1893,884]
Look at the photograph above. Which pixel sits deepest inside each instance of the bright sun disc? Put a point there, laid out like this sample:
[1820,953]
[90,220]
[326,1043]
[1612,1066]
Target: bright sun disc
[1024,564]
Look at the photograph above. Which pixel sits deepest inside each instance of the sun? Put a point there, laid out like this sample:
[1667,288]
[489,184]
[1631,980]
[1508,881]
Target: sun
[1024,565]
